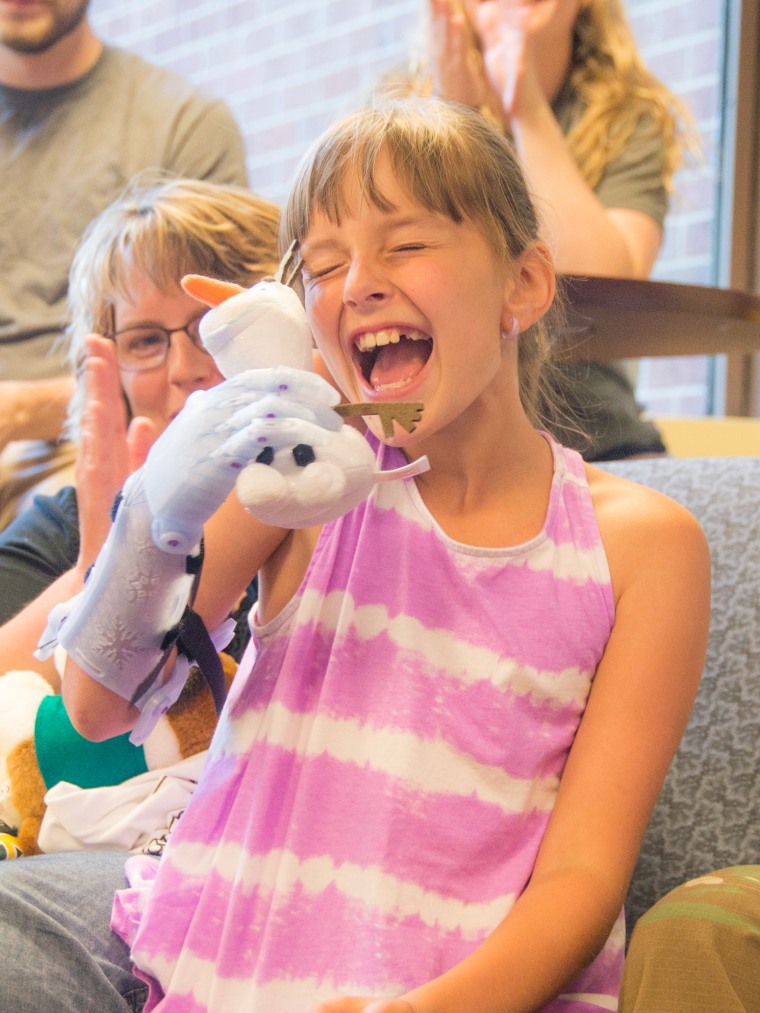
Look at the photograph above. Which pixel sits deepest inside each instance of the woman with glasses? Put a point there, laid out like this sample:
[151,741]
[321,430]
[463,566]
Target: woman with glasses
[134,341]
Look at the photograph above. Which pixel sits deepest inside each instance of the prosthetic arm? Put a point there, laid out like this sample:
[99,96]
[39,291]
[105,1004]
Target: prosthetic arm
[121,627]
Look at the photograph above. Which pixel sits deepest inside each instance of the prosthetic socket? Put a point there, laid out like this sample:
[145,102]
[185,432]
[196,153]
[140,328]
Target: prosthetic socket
[272,430]
[120,628]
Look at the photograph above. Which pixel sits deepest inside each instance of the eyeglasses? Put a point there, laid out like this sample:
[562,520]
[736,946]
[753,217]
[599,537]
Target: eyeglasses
[147,345]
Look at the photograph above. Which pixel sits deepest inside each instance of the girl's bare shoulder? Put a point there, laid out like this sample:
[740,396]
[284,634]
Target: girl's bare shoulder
[619,501]
[643,531]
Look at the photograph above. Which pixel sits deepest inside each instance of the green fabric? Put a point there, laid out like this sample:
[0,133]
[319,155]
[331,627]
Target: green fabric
[64,755]
[698,949]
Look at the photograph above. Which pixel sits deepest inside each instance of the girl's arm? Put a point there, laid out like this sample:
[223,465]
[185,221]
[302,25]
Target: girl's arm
[236,547]
[637,710]
[20,635]
[117,631]
[638,707]
[118,628]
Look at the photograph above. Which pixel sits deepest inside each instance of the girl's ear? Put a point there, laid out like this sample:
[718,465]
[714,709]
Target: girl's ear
[530,290]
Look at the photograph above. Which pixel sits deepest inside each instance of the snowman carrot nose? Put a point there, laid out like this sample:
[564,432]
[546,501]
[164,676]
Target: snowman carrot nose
[210,291]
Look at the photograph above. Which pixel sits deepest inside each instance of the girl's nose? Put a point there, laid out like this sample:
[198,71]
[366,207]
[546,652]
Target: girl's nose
[190,366]
[365,284]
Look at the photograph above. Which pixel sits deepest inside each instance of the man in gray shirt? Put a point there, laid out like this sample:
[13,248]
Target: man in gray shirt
[77,120]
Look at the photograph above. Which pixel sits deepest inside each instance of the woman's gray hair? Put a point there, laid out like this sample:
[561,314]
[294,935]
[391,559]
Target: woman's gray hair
[164,228]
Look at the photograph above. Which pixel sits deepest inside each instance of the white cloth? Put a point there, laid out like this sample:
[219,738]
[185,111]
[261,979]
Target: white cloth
[136,815]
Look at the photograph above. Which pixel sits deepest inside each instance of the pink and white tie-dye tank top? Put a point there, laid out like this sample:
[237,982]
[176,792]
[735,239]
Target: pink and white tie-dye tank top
[383,774]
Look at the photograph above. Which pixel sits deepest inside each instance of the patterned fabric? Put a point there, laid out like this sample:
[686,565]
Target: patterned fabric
[380,784]
[708,813]
[698,949]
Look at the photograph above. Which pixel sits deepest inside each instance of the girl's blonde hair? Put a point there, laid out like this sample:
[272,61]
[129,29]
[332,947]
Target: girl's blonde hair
[614,85]
[164,228]
[452,162]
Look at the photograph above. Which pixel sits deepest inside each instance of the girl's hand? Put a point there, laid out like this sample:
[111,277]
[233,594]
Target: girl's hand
[354,1004]
[507,31]
[456,65]
[108,451]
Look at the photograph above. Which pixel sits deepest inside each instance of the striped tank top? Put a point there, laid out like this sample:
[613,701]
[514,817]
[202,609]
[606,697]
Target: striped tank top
[384,770]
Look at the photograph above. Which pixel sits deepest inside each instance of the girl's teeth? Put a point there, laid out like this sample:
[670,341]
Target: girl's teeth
[390,386]
[389,336]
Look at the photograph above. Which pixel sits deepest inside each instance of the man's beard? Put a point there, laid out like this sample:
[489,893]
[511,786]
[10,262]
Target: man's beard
[62,24]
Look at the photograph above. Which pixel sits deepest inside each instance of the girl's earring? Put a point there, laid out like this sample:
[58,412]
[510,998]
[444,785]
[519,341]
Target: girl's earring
[513,332]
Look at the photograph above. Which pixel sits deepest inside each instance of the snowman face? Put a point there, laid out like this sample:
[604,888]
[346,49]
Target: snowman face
[302,486]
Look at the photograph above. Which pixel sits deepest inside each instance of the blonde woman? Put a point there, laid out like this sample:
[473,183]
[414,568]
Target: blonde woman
[599,138]
[133,339]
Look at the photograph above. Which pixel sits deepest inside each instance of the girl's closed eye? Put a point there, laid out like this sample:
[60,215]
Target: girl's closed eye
[315,273]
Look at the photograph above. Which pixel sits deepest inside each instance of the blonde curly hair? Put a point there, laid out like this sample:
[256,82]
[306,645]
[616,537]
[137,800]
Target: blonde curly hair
[610,77]
[617,90]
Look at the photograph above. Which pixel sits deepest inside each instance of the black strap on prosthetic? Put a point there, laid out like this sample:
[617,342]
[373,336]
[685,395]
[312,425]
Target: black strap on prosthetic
[192,639]
[195,642]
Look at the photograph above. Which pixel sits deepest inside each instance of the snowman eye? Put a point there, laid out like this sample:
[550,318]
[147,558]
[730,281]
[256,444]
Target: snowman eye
[303,454]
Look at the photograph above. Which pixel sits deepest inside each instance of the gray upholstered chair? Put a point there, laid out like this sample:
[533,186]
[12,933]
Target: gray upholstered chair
[708,814]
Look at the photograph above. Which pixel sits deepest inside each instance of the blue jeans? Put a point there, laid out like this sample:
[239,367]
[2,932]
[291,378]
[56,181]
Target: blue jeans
[57,950]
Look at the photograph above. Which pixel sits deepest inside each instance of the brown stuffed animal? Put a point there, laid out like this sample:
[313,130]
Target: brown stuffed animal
[27,745]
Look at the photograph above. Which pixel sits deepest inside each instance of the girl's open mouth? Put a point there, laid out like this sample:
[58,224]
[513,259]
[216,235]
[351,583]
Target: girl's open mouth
[390,358]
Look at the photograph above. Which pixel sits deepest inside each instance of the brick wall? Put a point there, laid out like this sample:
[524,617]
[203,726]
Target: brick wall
[289,68]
